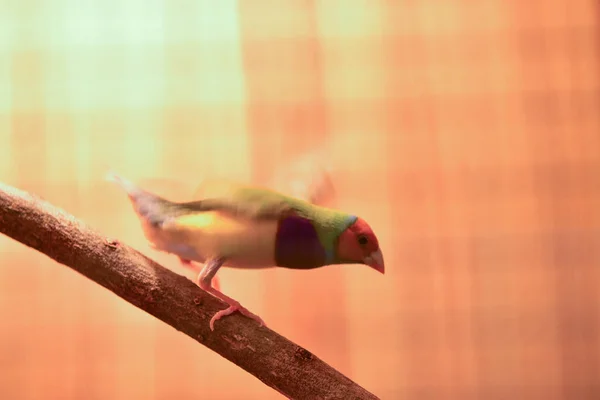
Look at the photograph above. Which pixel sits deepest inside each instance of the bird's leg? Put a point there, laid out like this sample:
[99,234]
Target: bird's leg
[188,264]
[204,281]
[194,267]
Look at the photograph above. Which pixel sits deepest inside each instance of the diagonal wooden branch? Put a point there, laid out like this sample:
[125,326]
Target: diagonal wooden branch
[172,298]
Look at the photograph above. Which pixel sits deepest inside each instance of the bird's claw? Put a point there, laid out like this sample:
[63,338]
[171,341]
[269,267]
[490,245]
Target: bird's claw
[230,310]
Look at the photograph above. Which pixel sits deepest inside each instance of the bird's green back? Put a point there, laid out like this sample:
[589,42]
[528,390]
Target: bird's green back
[328,223]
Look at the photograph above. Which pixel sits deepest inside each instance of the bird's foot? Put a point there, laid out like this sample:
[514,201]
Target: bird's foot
[233,307]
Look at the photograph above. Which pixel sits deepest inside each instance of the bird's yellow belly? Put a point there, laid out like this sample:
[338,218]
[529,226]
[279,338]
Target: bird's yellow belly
[243,243]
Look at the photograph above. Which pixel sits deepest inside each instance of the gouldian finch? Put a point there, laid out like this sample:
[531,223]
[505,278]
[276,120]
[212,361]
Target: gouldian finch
[243,226]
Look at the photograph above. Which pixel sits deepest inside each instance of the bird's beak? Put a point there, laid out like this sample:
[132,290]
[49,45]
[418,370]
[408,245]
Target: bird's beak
[375,261]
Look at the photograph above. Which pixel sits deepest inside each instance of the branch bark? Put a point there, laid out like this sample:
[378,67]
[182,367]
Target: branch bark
[279,363]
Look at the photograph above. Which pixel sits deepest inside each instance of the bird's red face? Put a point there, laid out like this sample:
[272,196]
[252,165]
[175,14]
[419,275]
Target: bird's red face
[358,244]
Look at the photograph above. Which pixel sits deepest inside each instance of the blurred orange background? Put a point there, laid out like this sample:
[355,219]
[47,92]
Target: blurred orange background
[466,132]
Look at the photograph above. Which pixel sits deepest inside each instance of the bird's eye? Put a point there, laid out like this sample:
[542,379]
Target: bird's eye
[362,240]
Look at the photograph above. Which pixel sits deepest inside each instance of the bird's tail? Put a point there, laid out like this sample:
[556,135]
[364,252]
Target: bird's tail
[128,186]
[148,206]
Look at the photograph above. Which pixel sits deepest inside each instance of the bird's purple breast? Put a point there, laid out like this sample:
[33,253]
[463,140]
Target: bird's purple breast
[297,244]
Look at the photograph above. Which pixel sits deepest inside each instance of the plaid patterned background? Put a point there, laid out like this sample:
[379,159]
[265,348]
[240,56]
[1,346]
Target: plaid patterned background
[466,132]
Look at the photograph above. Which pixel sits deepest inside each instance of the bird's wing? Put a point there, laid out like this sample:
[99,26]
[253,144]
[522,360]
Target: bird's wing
[241,201]
[309,178]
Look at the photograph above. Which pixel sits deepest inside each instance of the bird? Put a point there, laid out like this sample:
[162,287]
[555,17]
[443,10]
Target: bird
[238,225]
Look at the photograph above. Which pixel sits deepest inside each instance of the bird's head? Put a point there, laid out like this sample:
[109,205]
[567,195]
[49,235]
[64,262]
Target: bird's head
[358,244]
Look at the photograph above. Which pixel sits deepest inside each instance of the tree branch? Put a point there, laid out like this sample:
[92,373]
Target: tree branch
[286,367]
